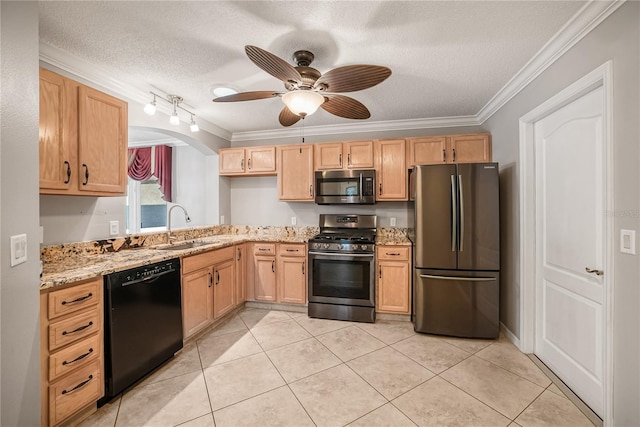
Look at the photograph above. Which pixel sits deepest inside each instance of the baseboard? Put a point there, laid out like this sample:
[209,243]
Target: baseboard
[510,335]
[299,308]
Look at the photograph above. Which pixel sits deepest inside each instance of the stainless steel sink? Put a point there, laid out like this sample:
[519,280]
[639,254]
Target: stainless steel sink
[180,246]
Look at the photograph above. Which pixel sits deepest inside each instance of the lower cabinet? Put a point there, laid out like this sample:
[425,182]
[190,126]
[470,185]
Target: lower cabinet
[393,279]
[71,356]
[278,273]
[208,288]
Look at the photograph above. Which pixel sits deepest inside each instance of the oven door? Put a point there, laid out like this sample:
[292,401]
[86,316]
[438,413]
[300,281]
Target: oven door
[337,278]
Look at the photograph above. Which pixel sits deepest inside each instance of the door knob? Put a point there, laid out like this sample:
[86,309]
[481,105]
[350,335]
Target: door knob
[594,271]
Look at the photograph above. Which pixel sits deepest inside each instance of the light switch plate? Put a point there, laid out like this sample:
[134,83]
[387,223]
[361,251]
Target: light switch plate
[628,242]
[393,222]
[114,228]
[294,220]
[18,249]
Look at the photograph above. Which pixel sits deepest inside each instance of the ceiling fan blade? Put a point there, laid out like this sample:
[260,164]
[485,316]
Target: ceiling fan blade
[287,118]
[351,78]
[346,107]
[273,65]
[247,96]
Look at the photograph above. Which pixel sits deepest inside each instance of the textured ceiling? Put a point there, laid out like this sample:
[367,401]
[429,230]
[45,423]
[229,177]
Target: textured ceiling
[448,58]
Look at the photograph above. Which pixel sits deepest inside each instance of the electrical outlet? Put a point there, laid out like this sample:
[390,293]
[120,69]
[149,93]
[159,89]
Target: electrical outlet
[294,220]
[393,222]
[114,228]
[18,249]
[221,219]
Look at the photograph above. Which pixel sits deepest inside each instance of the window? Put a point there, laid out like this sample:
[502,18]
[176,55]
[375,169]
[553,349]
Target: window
[146,209]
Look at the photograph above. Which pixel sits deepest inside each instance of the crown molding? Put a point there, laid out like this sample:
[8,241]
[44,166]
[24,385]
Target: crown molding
[346,128]
[95,75]
[581,24]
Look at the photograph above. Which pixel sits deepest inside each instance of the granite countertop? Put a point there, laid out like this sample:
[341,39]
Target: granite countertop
[70,263]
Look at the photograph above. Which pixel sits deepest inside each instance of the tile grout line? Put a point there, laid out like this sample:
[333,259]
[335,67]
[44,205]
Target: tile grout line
[206,386]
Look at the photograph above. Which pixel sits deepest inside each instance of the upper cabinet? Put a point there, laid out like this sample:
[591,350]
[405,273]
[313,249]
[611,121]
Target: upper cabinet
[248,161]
[469,148]
[391,169]
[344,155]
[82,138]
[295,172]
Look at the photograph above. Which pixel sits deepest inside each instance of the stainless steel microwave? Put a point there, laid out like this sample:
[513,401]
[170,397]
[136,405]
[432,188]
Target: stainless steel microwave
[338,187]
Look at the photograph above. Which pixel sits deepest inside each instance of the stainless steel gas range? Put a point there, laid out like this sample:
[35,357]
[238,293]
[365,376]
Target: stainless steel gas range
[341,268]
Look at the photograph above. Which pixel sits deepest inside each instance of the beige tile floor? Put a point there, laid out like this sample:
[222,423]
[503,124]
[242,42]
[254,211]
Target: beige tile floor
[275,368]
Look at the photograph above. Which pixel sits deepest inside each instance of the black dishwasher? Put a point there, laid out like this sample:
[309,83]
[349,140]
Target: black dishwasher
[142,323]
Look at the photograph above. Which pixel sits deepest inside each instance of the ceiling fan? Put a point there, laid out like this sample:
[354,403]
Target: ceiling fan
[308,89]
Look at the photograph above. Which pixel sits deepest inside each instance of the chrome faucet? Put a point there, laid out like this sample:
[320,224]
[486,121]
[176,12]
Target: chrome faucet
[186,218]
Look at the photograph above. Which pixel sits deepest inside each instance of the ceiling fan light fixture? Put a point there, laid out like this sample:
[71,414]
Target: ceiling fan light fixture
[223,91]
[303,102]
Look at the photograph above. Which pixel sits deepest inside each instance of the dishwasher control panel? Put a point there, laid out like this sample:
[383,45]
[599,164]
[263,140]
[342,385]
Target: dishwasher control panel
[148,271]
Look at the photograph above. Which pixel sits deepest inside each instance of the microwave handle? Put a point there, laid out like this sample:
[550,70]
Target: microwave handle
[361,187]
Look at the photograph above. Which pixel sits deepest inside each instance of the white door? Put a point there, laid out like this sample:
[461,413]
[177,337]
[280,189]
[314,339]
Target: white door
[570,236]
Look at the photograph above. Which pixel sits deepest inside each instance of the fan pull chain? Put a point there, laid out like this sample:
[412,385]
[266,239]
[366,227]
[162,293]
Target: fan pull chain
[302,131]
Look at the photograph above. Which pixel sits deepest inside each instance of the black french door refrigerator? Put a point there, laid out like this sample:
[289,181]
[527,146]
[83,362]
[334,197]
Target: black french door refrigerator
[456,237]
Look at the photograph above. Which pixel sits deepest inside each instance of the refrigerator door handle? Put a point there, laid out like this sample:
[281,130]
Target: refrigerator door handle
[464,279]
[461,203]
[454,208]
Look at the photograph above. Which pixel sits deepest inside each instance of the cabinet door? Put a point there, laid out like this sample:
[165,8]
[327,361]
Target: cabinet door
[261,160]
[224,285]
[197,301]
[264,278]
[232,161]
[295,173]
[475,148]
[391,170]
[359,154]
[426,151]
[328,156]
[393,287]
[292,280]
[241,274]
[55,150]
[102,142]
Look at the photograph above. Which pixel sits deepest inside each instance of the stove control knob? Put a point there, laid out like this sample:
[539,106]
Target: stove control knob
[341,247]
[325,245]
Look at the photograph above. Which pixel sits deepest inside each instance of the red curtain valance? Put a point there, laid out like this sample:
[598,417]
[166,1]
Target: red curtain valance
[141,168]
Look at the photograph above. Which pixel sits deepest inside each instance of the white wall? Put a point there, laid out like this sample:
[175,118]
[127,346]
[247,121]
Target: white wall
[19,285]
[617,39]
[254,200]
[191,177]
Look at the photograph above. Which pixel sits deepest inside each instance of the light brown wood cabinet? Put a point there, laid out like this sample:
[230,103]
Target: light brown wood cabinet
[247,161]
[241,274]
[278,273]
[469,148]
[393,279]
[391,170]
[71,356]
[82,139]
[295,172]
[208,288]
[292,273]
[344,155]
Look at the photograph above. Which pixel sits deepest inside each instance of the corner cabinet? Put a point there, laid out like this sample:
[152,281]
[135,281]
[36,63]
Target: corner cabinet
[469,148]
[391,170]
[248,161]
[71,350]
[393,274]
[82,139]
[295,173]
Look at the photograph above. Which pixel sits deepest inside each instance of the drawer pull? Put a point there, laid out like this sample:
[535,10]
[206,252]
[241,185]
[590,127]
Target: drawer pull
[393,253]
[263,249]
[79,299]
[293,250]
[81,328]
[82,356]
[79,386]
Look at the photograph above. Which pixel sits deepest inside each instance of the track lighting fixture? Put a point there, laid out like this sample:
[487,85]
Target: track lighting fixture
[175,101]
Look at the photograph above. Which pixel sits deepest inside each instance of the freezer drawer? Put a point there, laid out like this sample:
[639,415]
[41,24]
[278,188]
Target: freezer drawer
[456,303]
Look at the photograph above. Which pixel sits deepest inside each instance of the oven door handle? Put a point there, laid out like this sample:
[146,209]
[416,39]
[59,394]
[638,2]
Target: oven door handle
[342,255]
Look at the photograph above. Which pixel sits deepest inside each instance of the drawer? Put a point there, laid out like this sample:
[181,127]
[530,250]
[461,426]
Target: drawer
[196,262]
[75,392]
[72,329]
[74,298]
[264,249]
[290,249]
[396,253]
[74,356]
